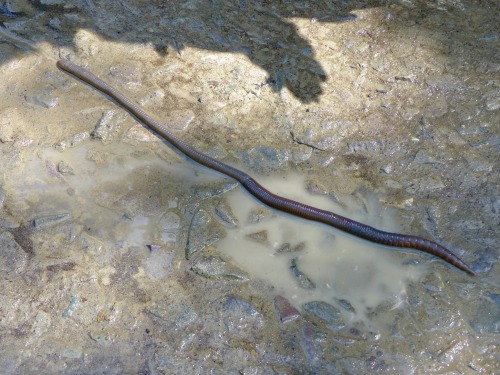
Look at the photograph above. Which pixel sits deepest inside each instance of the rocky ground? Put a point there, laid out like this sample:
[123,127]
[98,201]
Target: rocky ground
[109,238]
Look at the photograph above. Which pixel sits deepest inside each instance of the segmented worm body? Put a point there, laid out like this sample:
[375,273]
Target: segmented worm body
[258,191]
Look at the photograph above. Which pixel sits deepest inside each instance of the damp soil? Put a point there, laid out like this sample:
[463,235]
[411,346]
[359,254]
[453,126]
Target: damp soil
[120,255]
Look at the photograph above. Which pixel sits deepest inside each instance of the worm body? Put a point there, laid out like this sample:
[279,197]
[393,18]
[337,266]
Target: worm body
[258,191]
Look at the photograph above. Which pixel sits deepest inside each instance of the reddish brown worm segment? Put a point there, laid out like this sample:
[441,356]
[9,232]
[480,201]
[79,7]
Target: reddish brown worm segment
[258,191]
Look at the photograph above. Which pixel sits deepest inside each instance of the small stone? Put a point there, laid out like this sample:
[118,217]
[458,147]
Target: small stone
[48,221]
[78,138]
[287,248]
[216,268]
[326,312]
[225,214]
[303,280]
[261,236]
[286,311]
[65,169]
[258,214]
[107,125]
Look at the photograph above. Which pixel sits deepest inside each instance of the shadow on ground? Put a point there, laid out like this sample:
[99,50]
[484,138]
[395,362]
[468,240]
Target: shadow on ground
[223,26]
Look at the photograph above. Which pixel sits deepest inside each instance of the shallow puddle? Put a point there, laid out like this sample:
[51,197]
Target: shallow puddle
[341,267]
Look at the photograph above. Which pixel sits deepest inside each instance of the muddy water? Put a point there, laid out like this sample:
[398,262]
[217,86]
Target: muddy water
[341,267]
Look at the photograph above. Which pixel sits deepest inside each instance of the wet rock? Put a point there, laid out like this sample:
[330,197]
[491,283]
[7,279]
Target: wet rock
[261,236]
[240,316]
[316,188]
[78,138]
[216,268]
[203,232]
[346,305]
[205,191]
[304,281]
[258,214]
[13,258]
[326,312]
[286,311]
[108,126]
[65,169]
[287,248]
[225,214]
[48,221]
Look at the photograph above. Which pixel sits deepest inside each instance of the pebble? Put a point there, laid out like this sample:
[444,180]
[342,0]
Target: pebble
[108,124]
[50,220]
[216,268]
[326,312]
[261,236]
[258,214]
[65,169]
[304,281]
[225,214]
[287,248]
[286,311]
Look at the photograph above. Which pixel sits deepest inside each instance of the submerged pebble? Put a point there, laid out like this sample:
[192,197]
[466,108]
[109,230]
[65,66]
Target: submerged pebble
[304,281]
[216,268]
[326,312]
[225,213]
[261,236]
[48,221]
